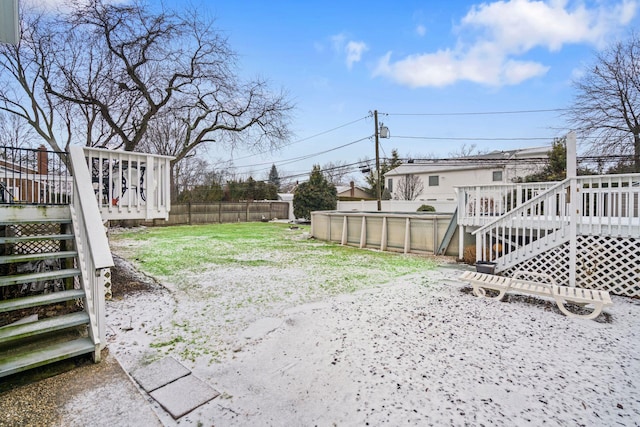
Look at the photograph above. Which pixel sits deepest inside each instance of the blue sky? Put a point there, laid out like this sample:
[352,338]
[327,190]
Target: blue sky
[341,60]
[415,62]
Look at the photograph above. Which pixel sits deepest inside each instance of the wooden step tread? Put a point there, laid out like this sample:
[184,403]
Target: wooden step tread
[15,221]
[8,259]
[49,354]
[51,324]
[38,277]
[38,300]
[36,238]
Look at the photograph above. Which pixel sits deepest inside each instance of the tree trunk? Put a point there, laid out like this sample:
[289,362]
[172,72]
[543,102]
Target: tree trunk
[636,152]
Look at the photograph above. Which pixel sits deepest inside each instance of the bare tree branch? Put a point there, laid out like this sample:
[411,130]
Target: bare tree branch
[606,108]
[23,68]
[409,187]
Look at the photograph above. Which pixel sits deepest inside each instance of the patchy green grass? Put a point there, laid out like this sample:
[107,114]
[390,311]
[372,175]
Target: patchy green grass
[172,252]
[226,276]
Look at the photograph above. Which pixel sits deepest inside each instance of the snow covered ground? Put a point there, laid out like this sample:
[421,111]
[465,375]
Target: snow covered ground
[419,351]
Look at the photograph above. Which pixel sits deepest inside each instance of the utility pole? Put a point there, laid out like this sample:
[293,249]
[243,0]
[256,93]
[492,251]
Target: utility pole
[378,185]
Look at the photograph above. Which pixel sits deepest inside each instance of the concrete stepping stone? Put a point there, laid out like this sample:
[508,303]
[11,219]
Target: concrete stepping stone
[159,373]
[184,395]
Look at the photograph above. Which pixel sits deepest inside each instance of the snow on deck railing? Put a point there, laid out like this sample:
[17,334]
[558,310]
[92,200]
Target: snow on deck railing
[130,185]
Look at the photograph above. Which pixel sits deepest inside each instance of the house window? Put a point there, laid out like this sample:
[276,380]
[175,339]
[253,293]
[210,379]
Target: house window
[390,185]
[434,181]
[497,176]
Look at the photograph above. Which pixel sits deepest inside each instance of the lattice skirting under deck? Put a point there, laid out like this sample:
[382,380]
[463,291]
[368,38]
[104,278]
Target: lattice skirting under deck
[18,230]
[604,263]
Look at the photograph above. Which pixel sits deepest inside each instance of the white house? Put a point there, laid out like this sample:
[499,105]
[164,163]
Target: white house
[435,180]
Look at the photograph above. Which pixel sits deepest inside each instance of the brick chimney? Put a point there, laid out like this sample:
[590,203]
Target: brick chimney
[353,189]
[43,160]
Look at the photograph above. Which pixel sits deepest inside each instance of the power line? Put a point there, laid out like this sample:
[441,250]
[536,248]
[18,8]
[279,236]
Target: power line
[301,140]
[305,157]
[478,113]
[351,167]
[355,167]
[438,138]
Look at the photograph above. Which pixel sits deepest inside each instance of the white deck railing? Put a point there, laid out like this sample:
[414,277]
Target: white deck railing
[610,205]
[481,204]
[129,185]
[602,206]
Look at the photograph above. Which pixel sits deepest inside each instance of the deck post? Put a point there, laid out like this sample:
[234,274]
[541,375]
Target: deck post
[575,206]
[575,212]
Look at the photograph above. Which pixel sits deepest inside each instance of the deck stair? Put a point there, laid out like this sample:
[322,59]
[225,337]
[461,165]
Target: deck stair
[532,228]
[582,231]
[43,306]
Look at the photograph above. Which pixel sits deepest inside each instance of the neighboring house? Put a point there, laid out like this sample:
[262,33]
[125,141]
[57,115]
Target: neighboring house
[29,179]
[436,180]
[352,191]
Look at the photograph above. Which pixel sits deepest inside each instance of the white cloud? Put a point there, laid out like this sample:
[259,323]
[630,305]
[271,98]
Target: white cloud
[338,42]
[421,30]
[444,68]
[503,31]
[520,25]
[352,50]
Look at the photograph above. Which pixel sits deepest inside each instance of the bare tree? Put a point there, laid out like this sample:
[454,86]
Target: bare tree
[337,173]
[409,187]
[467,151]
[607,105]
[23,69]
[15,132]
[138,66]
[124,76]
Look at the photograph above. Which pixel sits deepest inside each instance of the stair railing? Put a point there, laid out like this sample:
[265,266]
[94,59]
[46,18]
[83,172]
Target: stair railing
[94,254]
[481,204]
[528,228]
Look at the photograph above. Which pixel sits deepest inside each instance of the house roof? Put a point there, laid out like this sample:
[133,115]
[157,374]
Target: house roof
[491,160]
[345,188]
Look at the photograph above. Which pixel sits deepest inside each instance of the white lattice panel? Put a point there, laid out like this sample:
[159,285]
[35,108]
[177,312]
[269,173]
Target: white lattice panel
[554,262]
[609,263]
[604,263]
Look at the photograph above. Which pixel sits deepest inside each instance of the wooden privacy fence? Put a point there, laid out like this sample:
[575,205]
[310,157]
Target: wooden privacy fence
[398,232]
[224,212]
